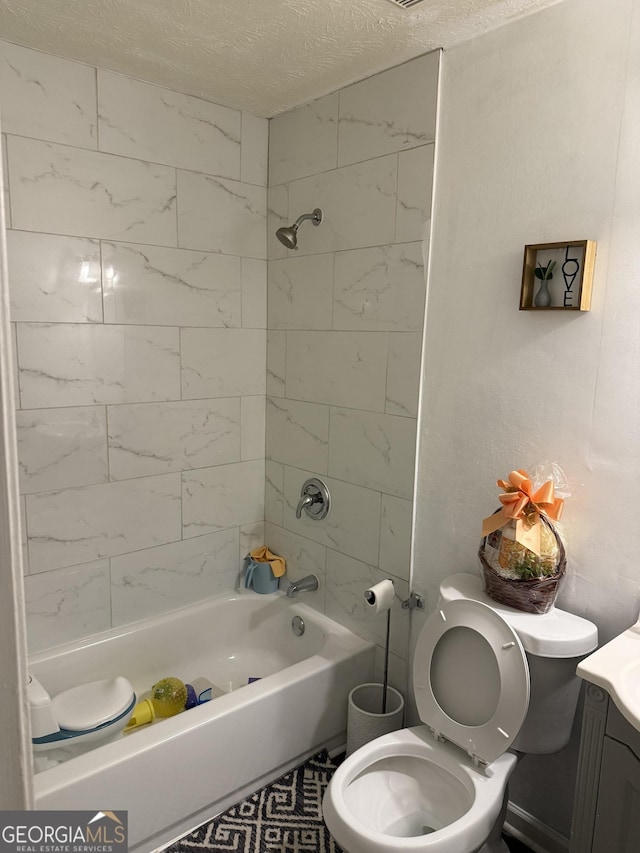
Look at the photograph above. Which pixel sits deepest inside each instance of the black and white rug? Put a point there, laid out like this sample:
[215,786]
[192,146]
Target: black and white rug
[284,817]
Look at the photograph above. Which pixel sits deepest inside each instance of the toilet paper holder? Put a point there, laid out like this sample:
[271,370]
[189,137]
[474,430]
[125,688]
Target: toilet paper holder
[379,598]
[414,601]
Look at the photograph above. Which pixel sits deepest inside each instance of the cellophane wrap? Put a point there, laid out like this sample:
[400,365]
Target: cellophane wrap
[513,573]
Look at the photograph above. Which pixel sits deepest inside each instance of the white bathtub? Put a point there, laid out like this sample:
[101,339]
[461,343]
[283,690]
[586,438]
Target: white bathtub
[178,772]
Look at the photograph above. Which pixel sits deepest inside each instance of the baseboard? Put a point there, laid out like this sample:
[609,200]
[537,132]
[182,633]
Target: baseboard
[532,832]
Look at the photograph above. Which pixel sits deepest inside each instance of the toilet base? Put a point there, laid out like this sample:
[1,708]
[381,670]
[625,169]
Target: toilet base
[495,847]
[495,843]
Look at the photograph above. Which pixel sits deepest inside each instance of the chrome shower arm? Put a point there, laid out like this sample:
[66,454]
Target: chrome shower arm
[315,217]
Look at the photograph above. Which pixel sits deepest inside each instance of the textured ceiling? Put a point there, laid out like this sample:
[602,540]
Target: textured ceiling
[263,56]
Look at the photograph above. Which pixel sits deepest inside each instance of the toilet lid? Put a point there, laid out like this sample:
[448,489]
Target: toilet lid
[471,678]
[91,705]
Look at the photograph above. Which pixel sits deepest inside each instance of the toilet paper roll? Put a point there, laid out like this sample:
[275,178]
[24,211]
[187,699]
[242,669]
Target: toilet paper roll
[380,597]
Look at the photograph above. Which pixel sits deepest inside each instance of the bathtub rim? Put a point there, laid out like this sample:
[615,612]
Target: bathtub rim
[159,620]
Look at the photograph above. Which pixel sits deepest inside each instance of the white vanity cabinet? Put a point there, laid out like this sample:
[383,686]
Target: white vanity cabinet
[606,815]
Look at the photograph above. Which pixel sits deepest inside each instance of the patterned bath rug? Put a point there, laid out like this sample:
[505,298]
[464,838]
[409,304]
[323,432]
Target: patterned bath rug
[284,817]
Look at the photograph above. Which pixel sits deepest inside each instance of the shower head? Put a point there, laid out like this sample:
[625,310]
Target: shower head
[288,235]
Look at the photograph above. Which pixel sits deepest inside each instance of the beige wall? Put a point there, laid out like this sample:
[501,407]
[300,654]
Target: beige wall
[538,141]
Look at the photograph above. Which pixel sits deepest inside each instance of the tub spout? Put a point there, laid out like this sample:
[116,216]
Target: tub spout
[308,584]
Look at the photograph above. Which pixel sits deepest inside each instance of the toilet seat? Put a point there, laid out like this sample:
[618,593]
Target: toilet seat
[471,678]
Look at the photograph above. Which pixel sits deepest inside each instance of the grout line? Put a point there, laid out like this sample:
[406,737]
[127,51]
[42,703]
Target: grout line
[97,103]
[395,215]
[354,163]
[114,242]
[14,344]
[277,400]
[160,163]
[380,527]
[242,294]
[207,251]
[340,406]
[177,209]
[111,590]
[110,479]
[307,471]
[141,550]
[240,147]
[387,398]
[333,293]
[7,182]
[339,111]
[101,263]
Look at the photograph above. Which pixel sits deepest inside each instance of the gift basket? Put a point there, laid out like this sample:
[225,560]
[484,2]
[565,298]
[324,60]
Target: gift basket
[522,552]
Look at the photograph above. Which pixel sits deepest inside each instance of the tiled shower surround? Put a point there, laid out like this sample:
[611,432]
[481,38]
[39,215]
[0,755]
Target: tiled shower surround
[345,319]
[138,278]
[138,242]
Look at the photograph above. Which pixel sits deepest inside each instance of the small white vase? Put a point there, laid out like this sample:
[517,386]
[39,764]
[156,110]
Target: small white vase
[543,297]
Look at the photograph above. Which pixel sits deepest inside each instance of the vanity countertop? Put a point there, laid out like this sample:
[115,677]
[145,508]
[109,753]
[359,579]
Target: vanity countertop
[616,668]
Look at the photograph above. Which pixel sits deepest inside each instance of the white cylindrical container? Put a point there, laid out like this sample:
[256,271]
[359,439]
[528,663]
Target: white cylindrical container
[365,720]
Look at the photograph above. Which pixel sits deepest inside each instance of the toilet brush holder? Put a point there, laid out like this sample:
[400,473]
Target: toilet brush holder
[365,721]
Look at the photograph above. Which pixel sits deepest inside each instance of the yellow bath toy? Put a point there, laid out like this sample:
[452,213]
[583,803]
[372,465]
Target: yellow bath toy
[168,697]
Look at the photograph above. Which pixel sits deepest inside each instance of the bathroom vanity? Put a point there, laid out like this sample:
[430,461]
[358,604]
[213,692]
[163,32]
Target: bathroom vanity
[606,815]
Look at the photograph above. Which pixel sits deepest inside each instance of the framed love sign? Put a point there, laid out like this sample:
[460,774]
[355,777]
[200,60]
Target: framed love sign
[558,276]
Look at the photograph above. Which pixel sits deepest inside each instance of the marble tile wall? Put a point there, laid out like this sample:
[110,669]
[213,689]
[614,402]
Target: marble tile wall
[138,277]
[344,341]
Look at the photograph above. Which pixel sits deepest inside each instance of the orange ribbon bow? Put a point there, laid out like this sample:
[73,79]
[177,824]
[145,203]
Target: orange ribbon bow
[524,506]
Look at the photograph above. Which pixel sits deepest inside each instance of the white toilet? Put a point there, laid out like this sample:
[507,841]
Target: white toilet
[486,677]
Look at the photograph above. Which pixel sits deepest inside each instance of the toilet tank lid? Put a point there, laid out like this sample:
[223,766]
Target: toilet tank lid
[555,634]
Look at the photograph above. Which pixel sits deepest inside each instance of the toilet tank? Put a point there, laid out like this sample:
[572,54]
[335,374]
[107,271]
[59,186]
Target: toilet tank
[554,643]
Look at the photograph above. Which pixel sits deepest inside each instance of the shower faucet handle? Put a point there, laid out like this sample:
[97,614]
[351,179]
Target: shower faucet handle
[315,499]
[305,502]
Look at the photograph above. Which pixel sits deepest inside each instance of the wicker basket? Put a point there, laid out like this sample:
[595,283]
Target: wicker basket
[535,595]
